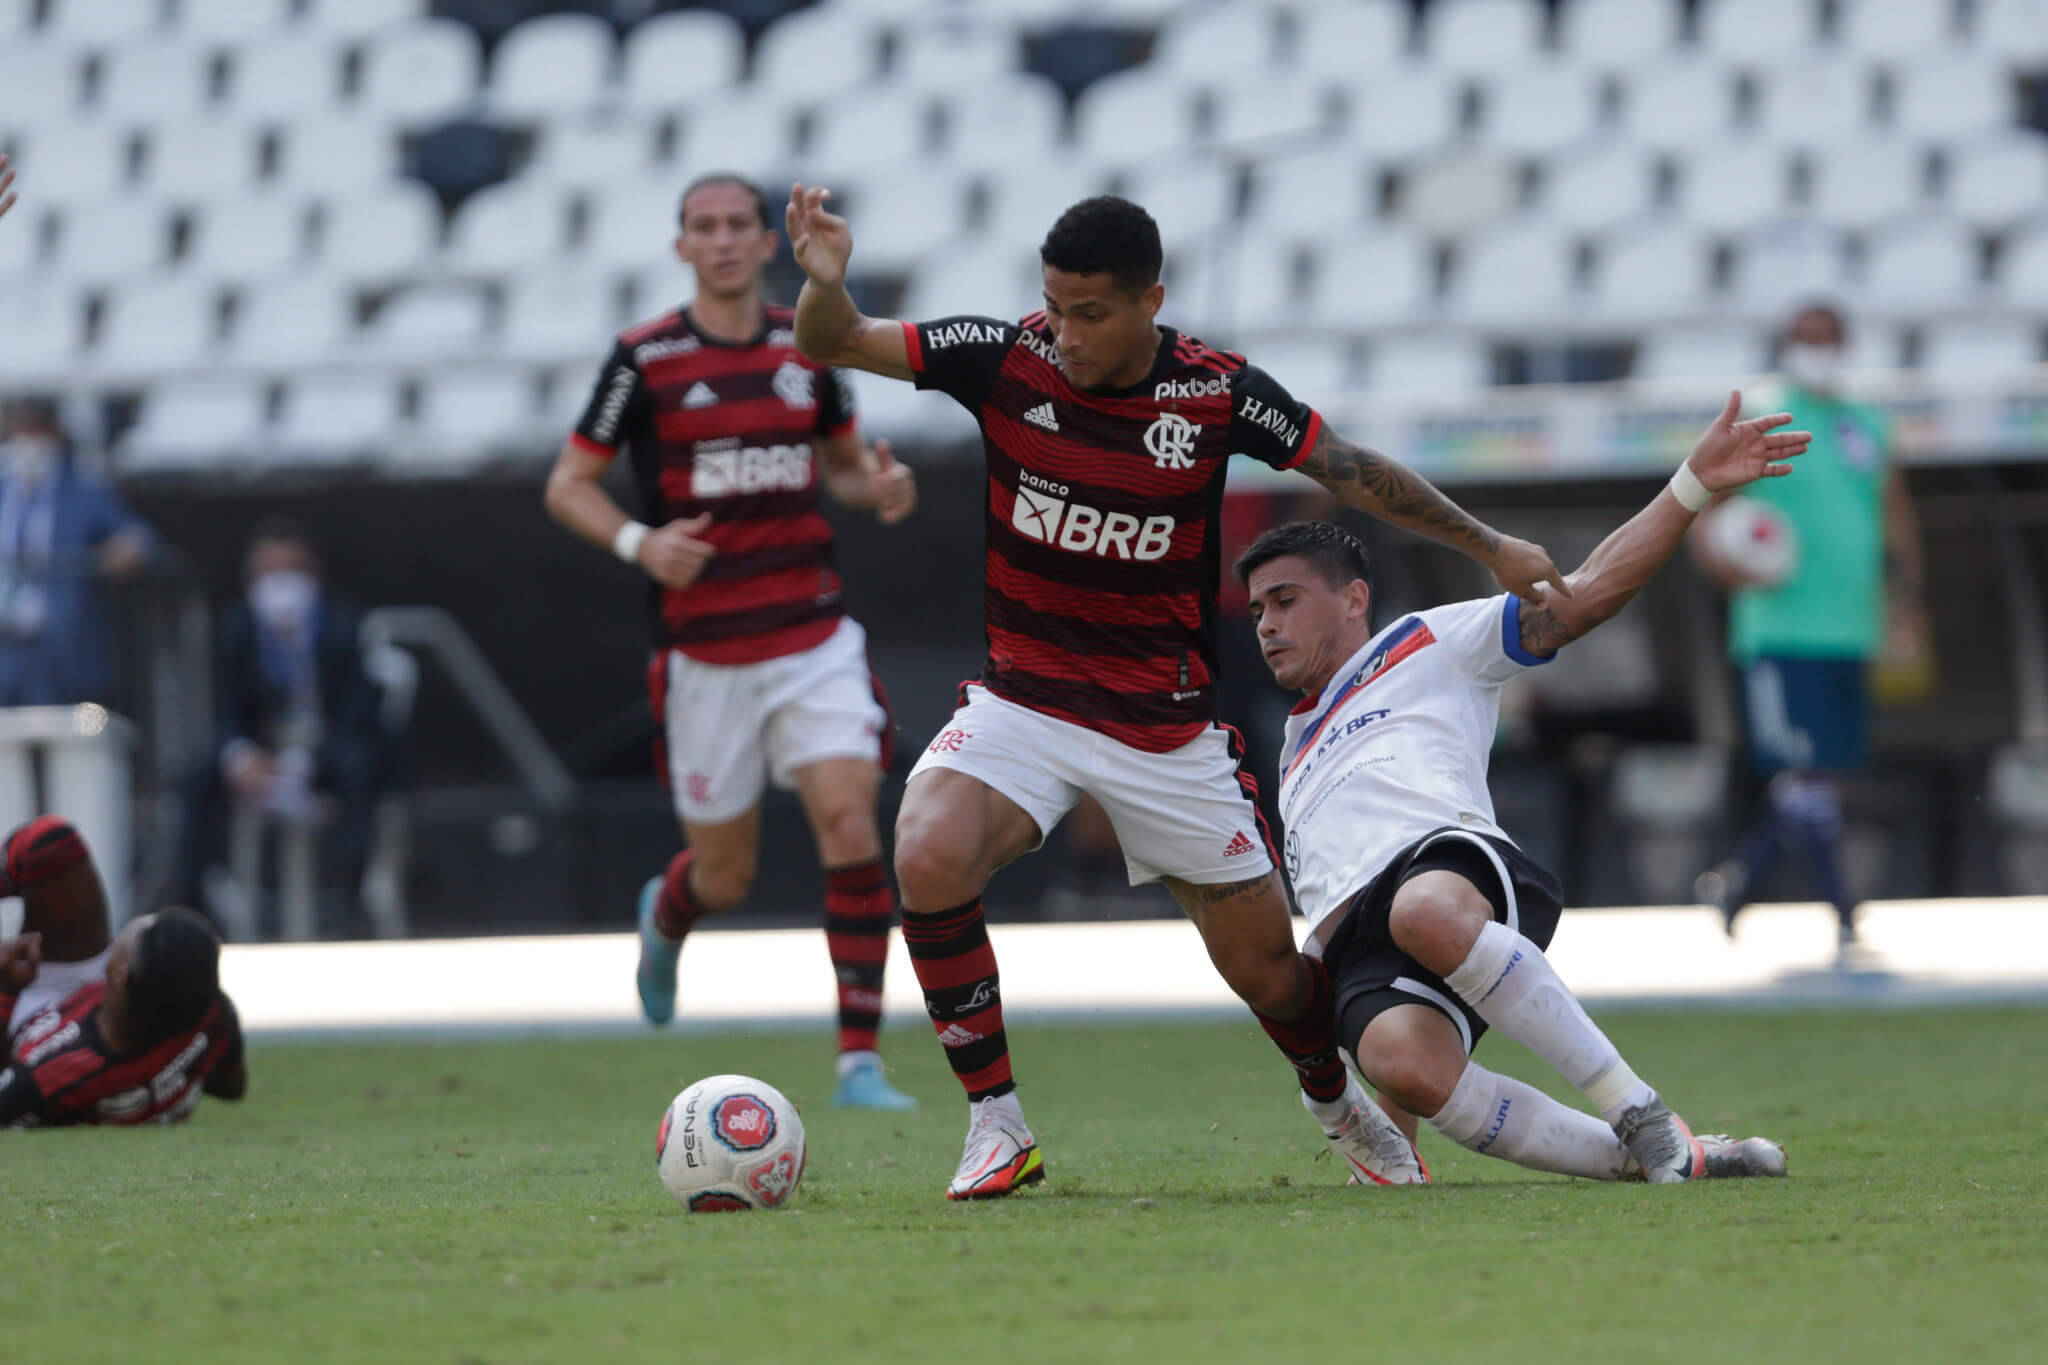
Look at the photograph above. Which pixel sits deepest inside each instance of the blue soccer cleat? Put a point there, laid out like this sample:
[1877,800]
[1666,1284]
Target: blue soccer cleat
[656,976]
[865,1087]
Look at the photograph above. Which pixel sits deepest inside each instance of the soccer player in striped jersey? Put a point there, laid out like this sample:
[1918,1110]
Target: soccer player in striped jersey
[758,674]
[1431,923]
[1106,438]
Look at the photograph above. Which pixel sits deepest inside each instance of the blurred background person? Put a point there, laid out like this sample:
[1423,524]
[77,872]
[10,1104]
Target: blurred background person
[1804,633]
[64,538]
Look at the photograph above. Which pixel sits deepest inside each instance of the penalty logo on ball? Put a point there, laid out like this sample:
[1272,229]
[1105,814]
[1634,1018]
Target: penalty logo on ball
[743,1123]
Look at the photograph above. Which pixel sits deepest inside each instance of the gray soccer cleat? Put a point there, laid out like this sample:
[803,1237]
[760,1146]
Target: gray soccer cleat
[1750,1158]
[1661,1144]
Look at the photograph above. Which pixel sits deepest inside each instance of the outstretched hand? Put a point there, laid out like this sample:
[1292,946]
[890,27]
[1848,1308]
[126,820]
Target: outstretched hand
[1519,566]
[1734,453]
[820,239]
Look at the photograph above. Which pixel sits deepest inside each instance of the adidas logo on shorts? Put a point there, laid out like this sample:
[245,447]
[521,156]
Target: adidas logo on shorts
[1042,416]
[699,396]
[1239,846]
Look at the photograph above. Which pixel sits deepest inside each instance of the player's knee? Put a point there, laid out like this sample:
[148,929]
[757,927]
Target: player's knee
[932,870]
[1435,922]
[846,833]
[721,883]
[1409,1077]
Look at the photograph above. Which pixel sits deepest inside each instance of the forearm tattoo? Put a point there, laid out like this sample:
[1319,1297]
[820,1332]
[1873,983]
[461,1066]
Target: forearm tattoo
[1391,491]
[1543,632]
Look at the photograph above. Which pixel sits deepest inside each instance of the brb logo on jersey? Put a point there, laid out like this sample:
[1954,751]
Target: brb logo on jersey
[722,469]
[743,1123]
[1043,512]
[1171,440]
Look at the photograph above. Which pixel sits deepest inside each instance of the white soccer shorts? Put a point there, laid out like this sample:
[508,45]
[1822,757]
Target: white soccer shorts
[1184,813]
[731,728]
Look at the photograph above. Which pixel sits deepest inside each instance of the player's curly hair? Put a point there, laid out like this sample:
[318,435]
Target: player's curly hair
[725,178]
[173,975]
[1106,235]
[1337,554]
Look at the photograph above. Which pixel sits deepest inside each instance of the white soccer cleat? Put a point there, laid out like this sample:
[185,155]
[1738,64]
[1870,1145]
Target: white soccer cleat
[1750,1158]
[1661,1144]
[1000,1155]
[1377,1152]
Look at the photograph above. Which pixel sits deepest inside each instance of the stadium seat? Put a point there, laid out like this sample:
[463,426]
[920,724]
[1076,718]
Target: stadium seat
[1516,275]
[1964,348]
[1819,100]
[1404,114]
[1680,105]
[291,321]
[1783,264]
[1339,184]
[1428,363]
[1873,345]
[1260,113]
[380,236]
[38,89]
[420,72]
[1351,40]
[506,227]
[1370,280]
[143,84]
[338,417]
[246,238]
[1610,185]
[1246,36]
[1540,110]
[1867,181]
[361,18]
[555,62]
[1001,122]
[1744,30]
[2023,271]
[1191,203]
[750,130]
[1135,117]
[1652,276]
[338,155]
[106,243]
[590,151]
[1487,37]
[560,316]
[1924,265]
[45,329]
[954,56]
[74,162]
[194,422]
[1620,35]
[17,19]
[976,278]
[672,59]
[868,131]
[1732,185]
[295,75]
[470,414]
[1956,97]
[1996,182]
[1889,29]
[820,52]
[2015,29]
[102,23]
[1318,370]
[632,225]
[193,162]
[21,247]
[902,217]
[157,326]
[1452,195]
[1023,201]
[1252,284]
[232,21]
[1719,355]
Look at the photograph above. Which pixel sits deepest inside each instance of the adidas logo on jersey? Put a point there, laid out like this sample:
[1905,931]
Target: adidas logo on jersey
[1042,416]
[699,396]
[1239,846]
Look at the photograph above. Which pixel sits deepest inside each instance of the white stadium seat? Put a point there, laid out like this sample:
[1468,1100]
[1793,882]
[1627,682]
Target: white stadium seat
[1887,29]
[506,227]
[1135,116]
[338,417]
[552,63]
[190,162]
[21,247]
[1999,181]
[1779,31]
[38,88]
[751,130]
[157,326]
[291,321]
[1517,275]
[112,242]
[1819,100]
[1540,109]
[1733,185]
[954,57]
[1429,363]
[633,225]
[428,322]
[593,150]
[2015,29]
[1967,347]
[99,23]
[195,421]
[1333,186]
[2023,271]
[901,218]
[294,75]
[1482,36]
[381,235]
[868,131]
[339,155]
[74,162]
[1246,36]
[1260,284]
[1864,182]
[996,124]
[1191,204]
[1926,265]
[1953,98]
[17,18]
[422,72]
[1720,355]
[978,278]
[673,59]
[1620,34]
[247,238]
[1873,345]
[142,84]
[45,329]
[1784,264]
[1024,200]
[1403,114]
[820,52]
[1285,110]
[563,315]
[1611,185]
[1344,40]
[1371,280]
[1315,369]
[232,20]
[361,18]
[478,413]
[1450,196]
[1679,105]
[1653,275]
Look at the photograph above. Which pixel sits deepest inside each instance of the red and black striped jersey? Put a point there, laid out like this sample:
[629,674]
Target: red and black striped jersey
[1103,545]
[61,1072]
[714,426]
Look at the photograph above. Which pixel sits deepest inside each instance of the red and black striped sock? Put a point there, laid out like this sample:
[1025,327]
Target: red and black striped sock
[956,968]
[858,909]
[1310,1041]
[675,910]
[38,851]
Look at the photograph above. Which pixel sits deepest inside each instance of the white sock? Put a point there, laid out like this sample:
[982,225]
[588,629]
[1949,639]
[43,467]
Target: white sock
[1331,1113]
[850,1062]
[1006,1110]
[1510,984]
[1499,1116]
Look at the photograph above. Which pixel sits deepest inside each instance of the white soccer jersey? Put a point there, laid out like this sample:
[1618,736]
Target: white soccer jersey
[1395,746]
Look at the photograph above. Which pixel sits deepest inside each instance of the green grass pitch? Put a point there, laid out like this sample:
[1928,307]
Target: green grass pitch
[496,1202]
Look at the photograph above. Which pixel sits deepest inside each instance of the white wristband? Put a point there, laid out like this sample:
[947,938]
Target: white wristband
[1687,488]
[626,544]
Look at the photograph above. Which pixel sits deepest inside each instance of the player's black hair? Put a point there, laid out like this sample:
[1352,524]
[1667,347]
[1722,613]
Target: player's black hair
[1825,307]
[1106,236]
[276,530]
[173,975]
[725,178]
[1337,554]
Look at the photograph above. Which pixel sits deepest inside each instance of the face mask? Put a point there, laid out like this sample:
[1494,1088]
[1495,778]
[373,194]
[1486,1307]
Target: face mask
[283,597]
[29,459]
[1813,367]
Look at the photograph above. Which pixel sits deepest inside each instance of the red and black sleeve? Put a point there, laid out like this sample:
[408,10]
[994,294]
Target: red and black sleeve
[959,356]
[835,403]
[1268,423]
[615,401]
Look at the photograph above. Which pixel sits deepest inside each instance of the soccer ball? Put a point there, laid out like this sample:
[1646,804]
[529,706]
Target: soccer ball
[1747,543]
[730,1142]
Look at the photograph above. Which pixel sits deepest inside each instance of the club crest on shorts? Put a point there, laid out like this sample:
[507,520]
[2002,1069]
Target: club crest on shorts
[743,1123]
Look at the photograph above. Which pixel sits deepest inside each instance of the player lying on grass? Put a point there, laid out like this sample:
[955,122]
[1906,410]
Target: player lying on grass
[1431,922]
[99,1029]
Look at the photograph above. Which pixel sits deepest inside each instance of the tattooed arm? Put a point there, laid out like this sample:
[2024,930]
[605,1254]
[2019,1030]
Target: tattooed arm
[1389,490]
